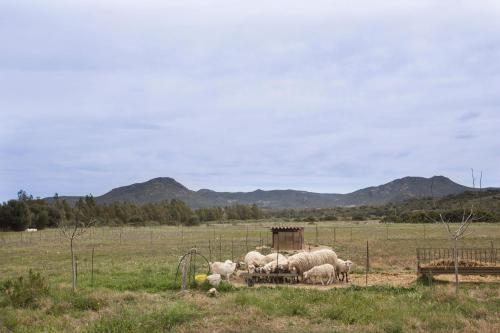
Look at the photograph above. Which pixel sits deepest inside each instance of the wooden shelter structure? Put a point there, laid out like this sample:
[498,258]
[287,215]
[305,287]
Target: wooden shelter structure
[288,238]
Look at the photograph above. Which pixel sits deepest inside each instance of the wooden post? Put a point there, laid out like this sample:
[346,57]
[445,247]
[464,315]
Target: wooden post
[334,234]
[220,247]
[76,271]
[92,269]
[184,269]
[232,250]
[209,251]
[491,253]
[317,242]
[351,234]
[246,240]
[121,230]
[367,263]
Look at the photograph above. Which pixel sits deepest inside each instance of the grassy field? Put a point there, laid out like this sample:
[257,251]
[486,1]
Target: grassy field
[134,288]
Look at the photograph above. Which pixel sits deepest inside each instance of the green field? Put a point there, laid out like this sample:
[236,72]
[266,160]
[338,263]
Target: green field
[134,288]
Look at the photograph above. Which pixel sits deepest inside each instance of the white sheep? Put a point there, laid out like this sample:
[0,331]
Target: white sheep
[254,259]
[31,230]
[223,268]
[343,267]
[304,261]
[280,265]
[273,257]
[214,279]
[325,271]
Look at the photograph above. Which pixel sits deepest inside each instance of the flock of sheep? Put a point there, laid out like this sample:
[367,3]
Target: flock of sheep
[322,265]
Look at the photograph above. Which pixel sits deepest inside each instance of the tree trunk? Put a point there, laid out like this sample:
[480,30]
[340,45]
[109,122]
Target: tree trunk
[73,268]
[455,260]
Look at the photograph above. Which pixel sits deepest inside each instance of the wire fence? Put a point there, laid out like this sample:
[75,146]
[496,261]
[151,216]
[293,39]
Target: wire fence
[373,248]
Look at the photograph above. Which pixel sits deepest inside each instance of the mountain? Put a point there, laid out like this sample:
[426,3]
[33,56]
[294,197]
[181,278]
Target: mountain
[154,190]
[165,188]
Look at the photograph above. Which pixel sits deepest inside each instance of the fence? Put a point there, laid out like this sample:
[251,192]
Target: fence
[483,256]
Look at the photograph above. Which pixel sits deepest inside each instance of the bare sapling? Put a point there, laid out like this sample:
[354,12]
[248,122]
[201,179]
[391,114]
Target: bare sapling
[455,234]
[73,227]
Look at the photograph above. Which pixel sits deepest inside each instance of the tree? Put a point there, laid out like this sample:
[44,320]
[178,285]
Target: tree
[458,233]
[15,215]
[77,226]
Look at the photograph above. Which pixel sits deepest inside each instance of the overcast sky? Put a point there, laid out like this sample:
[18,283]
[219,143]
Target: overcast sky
[326,96]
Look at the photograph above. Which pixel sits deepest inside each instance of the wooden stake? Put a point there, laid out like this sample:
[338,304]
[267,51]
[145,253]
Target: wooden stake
[92,269]
[367,263]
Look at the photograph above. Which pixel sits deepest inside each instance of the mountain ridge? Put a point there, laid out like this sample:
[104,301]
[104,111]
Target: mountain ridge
[166,188]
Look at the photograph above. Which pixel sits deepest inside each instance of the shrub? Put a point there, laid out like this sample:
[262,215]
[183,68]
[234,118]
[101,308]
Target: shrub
[358,217]
[24,292]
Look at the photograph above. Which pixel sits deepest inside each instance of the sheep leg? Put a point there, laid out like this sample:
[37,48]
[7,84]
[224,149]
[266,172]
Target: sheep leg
[347,277]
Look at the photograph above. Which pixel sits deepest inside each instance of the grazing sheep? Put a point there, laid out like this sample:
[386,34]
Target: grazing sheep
[322,271]
[273,257]
[343,267]
[223,268]
[275,266]
[31,230]
[214,279]
[254,259]
[304,261]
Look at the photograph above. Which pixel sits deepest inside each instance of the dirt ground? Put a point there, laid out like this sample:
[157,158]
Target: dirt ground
[378,279]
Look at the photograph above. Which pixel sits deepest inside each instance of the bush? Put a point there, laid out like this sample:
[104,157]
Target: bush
[329,218]
[24,292]
[358,217]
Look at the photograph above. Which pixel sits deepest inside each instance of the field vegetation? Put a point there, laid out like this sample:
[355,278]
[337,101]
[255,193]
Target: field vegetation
[134,285]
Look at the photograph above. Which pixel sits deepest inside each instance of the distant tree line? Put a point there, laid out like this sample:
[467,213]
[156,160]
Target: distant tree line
[27,212]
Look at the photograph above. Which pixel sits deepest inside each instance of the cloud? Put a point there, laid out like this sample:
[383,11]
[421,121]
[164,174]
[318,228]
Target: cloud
[327,97]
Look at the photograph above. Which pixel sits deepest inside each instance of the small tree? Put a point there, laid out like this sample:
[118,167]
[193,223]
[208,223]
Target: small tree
[75,227]
[456,234]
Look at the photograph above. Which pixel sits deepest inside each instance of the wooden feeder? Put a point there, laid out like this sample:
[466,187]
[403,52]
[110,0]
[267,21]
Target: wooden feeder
[288,238]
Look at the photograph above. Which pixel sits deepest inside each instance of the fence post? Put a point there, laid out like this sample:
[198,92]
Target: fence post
[246,240]
[334,235]
[76,271]
[220,248]
[92,269]
[151,237]
[317,242]
[351,234]
[121,230]
[491,254]
[209,251]
[232,250]
[386,231]
[367,263]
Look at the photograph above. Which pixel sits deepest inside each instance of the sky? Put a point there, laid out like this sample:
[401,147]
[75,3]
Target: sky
[325,96]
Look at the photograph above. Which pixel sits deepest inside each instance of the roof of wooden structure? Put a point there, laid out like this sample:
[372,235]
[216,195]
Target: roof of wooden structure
[286,228]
